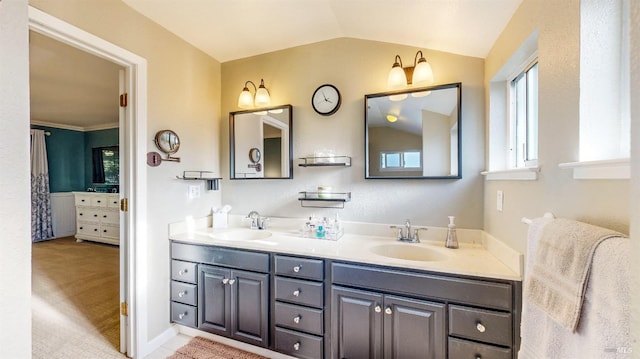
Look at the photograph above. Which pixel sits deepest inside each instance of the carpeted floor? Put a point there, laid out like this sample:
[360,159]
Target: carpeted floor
[201,348]
[75,300]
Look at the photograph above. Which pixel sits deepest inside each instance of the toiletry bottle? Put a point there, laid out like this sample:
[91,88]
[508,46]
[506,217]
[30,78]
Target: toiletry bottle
[452,238]
[320,233]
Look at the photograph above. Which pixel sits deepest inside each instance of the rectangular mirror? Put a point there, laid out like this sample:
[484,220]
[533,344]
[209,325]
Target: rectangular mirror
[260,143]
[413,133]
[106,165]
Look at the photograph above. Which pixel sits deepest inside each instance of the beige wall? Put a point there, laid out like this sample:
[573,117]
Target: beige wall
[184,96]
[356,67]
[601,202]
[635,170]
[15,241]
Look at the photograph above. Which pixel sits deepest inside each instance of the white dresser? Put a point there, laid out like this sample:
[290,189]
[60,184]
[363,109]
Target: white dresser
[97,217]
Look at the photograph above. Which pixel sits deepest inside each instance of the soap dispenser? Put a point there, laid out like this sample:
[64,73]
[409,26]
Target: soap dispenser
[452,238]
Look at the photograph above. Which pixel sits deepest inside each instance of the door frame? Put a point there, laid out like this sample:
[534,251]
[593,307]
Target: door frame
[133,131]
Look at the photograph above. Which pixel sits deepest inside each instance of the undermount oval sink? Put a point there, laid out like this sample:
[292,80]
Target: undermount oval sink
[409,252]
[240,234]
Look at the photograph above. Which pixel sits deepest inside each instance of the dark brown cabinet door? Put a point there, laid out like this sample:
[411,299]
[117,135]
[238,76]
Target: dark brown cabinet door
[413,329]
[356,324]
[234,303]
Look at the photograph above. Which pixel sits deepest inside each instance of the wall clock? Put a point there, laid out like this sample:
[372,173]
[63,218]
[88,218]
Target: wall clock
[326,100]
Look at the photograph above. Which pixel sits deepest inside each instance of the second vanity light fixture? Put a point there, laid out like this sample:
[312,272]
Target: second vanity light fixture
[262,98]
[420,74]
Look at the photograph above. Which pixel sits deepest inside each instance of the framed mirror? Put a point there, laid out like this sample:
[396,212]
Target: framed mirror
[105,165]
[266,135]
[414,133]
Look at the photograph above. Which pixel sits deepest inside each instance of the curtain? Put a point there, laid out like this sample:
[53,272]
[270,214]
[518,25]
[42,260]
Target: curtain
[41,223]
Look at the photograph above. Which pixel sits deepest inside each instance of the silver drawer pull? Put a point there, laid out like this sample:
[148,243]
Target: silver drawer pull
[296,346]
[480,327]
[377,309]
[297,268]
[183,272]
[388,310]
[296,293]
[478,356]
[297,318]
[231,281]
[182,315]
[225,280]
[182,294]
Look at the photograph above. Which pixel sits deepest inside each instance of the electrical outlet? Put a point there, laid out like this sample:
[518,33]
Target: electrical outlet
[194,191]
[499,201]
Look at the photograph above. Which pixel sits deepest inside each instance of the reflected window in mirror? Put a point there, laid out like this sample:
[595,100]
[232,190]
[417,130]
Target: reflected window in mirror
[266,131]
[105,166]
[413,133]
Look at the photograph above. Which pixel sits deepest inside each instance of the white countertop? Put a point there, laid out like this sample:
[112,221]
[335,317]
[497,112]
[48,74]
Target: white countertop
[476,257]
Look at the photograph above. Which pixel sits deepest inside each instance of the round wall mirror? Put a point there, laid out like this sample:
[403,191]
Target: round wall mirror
[167,141]
[254,155]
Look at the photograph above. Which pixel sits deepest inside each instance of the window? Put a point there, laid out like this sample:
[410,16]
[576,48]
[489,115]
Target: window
[523,121]
[400,161]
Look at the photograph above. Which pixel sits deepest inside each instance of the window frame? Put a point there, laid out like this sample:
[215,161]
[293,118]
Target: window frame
[402,167]
[514,140]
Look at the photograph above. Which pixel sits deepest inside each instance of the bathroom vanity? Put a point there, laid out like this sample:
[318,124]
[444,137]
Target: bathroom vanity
[325,299]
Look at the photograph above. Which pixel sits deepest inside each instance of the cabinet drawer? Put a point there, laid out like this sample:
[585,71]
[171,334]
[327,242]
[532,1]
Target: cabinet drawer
[299,267]
[462,349]
[298,344]
[88,214]
[99,201]
[184,293]
[468,291]
[483,325]
[299,318]
[113,202]
[184,314]
[299,291]
[82,199]
[183,271]
[91,229]
[110,230]
[109,216]
[242,259]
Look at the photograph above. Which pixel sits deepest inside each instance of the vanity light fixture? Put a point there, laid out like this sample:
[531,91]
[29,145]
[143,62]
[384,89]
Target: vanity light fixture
[392,118]
[420,74]
[262,98]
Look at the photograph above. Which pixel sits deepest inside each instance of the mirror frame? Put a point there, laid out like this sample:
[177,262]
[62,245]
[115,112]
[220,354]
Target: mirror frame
[457,85]
[232,153]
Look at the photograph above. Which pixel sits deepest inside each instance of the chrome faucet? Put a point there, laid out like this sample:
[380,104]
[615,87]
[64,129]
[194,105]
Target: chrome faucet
[257,221]
[408,234]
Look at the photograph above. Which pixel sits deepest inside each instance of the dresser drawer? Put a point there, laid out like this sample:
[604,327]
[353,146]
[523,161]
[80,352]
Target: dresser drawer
[109,216]
[184,314]
[463,349]
[299,267]
[110,230]
[92,229]
[82,199]
[99,201]
[298,344]
[113,202]
[299,291]
[184,293]
[184,271]
[88,214]
[299,318]
[483,325]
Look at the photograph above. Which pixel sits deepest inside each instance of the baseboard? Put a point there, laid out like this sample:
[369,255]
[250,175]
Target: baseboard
[155,343]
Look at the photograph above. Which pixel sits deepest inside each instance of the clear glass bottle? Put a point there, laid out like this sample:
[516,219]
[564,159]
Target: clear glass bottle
[452,237]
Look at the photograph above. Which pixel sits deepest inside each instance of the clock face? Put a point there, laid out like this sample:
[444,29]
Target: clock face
[326,100]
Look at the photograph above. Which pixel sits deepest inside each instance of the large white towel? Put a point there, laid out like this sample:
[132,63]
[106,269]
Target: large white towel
[604,328]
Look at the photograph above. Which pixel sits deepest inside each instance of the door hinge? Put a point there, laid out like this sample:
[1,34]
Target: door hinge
[124,309]
[124,205]
[123,100]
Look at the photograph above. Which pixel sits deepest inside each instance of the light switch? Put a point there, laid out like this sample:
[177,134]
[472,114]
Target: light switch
[194,191]
[499,201]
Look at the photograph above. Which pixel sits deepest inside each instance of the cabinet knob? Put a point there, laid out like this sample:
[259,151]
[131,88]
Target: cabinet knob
[297,318]
[225,280]
[182,272]
[478,356]
[182,315]
[104,231]
[182,294]
[99,201]
[388,310]
[95,230]
[80,214]
[81,227]
[296,293]
[480,327]
[377,309]
[296,346]
[104,216]
[231,281]
[95,215]
[297,268]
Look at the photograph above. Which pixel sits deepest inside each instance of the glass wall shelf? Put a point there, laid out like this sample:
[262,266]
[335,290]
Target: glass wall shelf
[328,161]
[324,199]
